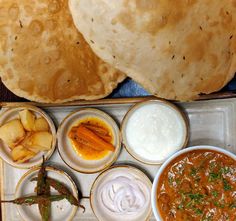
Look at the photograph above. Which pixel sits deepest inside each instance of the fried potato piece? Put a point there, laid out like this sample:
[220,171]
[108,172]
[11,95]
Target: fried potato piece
[39,141]
[12,133]
[26,138]
[20,154]
[41,124]
[27,119]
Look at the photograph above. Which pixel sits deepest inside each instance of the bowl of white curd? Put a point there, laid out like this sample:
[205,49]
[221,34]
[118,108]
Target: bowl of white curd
[153,130]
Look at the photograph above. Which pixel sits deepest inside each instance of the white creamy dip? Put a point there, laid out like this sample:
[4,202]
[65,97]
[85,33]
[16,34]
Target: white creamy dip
[155,130]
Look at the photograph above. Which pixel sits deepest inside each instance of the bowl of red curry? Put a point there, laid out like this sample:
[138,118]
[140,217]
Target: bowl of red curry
[197,183]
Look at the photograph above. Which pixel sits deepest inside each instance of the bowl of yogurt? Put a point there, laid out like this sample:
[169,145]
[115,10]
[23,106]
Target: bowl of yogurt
[121,193]
[153,130]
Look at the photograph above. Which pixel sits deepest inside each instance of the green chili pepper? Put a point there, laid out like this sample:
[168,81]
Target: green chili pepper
[43,189]
[43,198]
[41,181]
[62,189]
[30,200]
[45,210]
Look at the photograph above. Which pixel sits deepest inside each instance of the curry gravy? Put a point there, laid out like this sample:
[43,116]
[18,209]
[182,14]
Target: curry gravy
[198,185]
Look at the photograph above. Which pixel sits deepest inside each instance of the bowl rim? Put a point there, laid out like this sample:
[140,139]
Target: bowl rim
[119,166]
[140,104]
[115,127]
[52,127]
[166,163]
[52,169]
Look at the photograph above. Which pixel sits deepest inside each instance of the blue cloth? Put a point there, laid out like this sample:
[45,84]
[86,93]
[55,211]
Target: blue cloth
[231,86]
[129,88]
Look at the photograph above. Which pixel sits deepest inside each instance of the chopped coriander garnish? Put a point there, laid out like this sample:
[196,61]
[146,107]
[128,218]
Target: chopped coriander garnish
[225,170]
[183,196]
[170,180]
[215,193]
[181,206]
[198,212]
[220,205]
[189,204]
[177,181]
[214,176]
[226,185]
[213,165]
[232,205]
[196,196]
[193,171]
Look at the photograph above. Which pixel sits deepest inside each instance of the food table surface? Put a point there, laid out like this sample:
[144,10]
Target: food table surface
[171,64]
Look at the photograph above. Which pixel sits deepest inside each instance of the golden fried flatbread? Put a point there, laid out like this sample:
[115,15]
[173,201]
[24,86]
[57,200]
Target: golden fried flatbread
[44,58]
[175,49]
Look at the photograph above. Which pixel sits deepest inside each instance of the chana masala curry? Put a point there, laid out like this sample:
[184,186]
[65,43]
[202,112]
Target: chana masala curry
[198,185]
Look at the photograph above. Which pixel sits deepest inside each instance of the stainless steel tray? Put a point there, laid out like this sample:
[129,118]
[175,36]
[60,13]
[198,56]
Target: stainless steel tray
[212,122]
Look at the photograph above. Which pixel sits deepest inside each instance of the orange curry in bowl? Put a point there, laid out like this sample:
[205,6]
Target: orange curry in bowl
[199,185]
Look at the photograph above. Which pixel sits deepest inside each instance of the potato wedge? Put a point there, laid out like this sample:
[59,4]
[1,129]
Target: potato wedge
[36,149]
[39,141]
[41,124]
[27,119]
[26,138]
[12,133]
[20,154]
[26,142]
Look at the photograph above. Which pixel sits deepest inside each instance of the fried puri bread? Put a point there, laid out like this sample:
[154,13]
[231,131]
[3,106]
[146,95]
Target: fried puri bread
[45,59]
[175,49]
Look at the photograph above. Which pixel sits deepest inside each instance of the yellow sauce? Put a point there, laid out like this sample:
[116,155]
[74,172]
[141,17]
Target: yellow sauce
[84,151]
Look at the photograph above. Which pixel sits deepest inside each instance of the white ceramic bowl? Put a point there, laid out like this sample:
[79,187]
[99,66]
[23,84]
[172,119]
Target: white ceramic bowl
[162,168]
[182,119]
[107,176]
[68,154]
[61,210]
[5,151]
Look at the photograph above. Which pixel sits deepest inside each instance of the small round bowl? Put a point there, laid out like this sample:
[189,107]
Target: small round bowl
[181,115]
[5,151]
[122,170]
[68,154]
[174,156]
[60,210]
